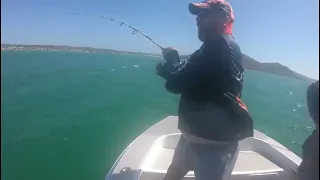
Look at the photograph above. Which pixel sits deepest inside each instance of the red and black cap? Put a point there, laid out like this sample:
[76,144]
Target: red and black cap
[212,5]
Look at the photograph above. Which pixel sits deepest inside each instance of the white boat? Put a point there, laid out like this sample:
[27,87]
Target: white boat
[149,156]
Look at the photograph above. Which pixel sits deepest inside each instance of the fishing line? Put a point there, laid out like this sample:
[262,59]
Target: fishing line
[134,30]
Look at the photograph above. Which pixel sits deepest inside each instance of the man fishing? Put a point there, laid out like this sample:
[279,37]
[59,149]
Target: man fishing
[309,167]
[212,118]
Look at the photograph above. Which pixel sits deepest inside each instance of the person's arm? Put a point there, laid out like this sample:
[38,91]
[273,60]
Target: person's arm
[181,75]
[205,69]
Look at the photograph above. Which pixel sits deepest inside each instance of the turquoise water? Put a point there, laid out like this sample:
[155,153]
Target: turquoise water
[67,115]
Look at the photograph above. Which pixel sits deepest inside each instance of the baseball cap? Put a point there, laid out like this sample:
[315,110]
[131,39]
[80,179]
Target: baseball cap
[212,5]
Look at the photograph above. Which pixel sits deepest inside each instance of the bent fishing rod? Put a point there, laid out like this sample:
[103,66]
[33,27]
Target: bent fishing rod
[134,30]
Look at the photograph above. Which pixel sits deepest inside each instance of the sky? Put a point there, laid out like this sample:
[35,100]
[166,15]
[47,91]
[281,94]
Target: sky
[284,31]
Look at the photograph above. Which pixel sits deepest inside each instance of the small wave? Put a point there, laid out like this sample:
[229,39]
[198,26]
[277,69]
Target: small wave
[290,93]
[269,131]
[308,129]
[111,69]
[135,66]
[294,126]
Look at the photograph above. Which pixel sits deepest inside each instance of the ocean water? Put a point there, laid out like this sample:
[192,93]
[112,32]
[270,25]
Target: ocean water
[68,115]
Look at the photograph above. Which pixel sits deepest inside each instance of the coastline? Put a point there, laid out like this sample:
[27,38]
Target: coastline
[248,62]
[52,48]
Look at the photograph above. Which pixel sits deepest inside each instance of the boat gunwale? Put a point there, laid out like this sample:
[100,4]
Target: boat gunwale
[110,173]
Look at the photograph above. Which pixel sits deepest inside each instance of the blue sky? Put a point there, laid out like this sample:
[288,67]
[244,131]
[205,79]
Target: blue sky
[285,31]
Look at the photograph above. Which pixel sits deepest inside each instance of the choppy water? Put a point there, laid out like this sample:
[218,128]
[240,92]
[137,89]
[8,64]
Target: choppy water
[67,115]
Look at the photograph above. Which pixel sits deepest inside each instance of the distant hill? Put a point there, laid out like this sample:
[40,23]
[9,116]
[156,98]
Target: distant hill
[248,62]
[273,68]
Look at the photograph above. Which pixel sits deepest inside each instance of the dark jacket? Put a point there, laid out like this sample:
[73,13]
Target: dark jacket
[210,83]
[309,167]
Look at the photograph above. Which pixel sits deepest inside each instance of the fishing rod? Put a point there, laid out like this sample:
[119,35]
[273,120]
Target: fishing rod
[134,30]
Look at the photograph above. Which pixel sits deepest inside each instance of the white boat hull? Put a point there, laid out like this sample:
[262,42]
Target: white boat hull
[150,154]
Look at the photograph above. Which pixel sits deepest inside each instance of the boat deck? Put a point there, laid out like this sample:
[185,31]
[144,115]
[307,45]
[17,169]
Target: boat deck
[151,154]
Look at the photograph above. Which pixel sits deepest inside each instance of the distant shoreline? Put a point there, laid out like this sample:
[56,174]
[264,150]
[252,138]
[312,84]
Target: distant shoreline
[18,47]
[248,62]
